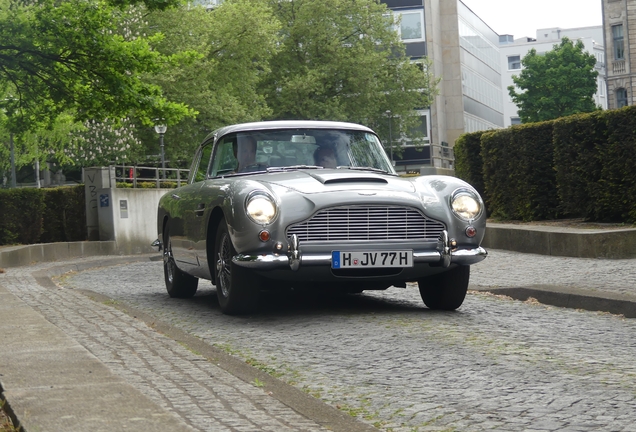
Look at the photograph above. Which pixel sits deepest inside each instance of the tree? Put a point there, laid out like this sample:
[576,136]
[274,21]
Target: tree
[343,60]
[67,56]
[557,83]
[234,43]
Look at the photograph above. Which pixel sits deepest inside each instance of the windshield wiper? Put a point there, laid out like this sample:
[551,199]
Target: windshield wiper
[292,167]
[356,168]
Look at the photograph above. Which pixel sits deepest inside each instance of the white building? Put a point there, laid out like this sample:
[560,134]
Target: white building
[512,51]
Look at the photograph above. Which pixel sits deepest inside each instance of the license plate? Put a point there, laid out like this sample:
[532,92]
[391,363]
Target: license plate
[374,259]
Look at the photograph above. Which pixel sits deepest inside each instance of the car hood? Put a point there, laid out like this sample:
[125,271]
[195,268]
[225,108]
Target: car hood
[335,180]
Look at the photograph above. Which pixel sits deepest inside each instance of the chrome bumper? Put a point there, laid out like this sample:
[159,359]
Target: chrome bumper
[444,256]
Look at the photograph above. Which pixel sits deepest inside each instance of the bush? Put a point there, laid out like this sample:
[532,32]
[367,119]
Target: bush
[577,166]
[22,213]
[616,194]
[65,215]
[468,161]
[42,215]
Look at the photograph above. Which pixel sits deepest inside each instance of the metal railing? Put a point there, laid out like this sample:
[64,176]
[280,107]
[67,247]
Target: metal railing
[442,156]
[136,175]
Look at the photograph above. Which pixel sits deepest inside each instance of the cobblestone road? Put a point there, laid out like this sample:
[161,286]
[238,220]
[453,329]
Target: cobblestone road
[495,364]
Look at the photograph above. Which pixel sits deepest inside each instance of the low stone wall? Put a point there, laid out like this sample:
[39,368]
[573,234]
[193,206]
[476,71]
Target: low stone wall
[17,256]
[559,241]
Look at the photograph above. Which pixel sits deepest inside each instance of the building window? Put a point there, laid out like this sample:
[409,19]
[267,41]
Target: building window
[420,133]
[619,43]
[515,120]
[621,98]
[514,62]
[411,27]
[601,87]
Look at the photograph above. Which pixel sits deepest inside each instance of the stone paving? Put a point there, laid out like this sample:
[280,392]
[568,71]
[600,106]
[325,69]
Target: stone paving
[495,364]
[206,397]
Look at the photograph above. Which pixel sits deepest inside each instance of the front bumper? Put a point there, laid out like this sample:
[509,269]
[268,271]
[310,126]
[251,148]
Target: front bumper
[445,255]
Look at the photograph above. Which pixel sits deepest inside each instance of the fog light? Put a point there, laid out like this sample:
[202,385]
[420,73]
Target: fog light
[263,236]
[453,243]
[471,232]
[278,246]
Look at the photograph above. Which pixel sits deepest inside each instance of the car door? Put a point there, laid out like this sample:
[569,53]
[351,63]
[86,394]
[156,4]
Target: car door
[187,223]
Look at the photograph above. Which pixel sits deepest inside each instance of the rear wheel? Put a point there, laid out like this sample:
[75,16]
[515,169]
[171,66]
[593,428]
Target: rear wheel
[445,291]
[178,283]
[236,288]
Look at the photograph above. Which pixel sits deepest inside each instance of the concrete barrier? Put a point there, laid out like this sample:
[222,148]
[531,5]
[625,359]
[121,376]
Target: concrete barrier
[17,256]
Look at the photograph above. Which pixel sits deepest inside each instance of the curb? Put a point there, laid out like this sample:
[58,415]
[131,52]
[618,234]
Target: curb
[571,298]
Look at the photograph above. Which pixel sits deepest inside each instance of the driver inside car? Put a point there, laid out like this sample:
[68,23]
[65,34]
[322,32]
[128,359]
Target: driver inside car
[325,157]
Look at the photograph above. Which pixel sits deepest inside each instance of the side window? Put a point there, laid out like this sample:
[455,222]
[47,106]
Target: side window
[224,161]
[200,163]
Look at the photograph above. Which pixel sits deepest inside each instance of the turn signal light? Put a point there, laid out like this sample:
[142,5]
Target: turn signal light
[471,232]
[264,236]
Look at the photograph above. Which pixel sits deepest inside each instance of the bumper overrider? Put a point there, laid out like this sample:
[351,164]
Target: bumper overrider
[445,254]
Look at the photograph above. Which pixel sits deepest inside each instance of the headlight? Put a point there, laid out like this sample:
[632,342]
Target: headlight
[261,209]
[466,205]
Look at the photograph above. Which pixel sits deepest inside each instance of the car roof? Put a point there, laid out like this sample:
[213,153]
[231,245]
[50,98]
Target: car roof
[287,124]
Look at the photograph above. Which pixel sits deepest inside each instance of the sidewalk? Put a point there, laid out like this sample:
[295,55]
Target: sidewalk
[53,383]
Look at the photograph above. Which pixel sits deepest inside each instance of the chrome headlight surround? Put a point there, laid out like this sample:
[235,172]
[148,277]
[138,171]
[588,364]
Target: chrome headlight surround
[261,207]
[466,204]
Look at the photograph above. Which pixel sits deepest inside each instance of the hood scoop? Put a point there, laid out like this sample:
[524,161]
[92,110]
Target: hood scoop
[343,180]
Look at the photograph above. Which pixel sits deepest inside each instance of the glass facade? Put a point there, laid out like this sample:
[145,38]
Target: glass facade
[482,90]
[472,41]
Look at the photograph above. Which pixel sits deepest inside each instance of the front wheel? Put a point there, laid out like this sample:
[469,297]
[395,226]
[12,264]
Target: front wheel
[237,288]
[445,291]
[178,283]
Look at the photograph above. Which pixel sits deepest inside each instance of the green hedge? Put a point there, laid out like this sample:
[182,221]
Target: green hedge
[577,166]
[22,213]
[468,161]
[32,215]
[578,163]
[617,188]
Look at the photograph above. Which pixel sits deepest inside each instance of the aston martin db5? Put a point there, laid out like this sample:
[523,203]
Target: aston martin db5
[312,204]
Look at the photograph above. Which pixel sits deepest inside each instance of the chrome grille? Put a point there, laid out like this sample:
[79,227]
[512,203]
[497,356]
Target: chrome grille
[367,223]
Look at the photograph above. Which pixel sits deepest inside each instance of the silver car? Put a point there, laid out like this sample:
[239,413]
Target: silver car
[309,204]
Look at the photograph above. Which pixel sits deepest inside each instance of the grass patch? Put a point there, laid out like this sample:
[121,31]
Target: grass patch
[6,425]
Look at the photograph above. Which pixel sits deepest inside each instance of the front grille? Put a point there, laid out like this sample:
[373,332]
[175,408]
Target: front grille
[367,223]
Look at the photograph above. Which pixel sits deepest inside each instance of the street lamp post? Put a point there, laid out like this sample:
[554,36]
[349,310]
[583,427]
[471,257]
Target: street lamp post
[161,129]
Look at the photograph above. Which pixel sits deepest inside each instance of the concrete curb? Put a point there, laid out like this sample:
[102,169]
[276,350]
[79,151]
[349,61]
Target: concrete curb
[23,255]
[571,298]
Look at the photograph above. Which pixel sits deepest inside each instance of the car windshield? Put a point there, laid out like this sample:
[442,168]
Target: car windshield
[277,150]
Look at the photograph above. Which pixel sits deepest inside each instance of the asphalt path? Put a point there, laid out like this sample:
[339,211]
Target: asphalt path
[383,357]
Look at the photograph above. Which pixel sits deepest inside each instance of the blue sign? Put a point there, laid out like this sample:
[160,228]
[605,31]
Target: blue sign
[103,200]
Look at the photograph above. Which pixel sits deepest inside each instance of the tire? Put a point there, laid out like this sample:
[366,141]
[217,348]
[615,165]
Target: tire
[445,291]
[237,288]
[178,283]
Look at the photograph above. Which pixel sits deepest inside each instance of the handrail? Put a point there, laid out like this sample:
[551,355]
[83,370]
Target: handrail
[135,174]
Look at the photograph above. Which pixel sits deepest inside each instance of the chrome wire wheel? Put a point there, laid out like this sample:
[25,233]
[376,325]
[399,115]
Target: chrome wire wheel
[178,283]
[223,265]
[237,288]
[168,261]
